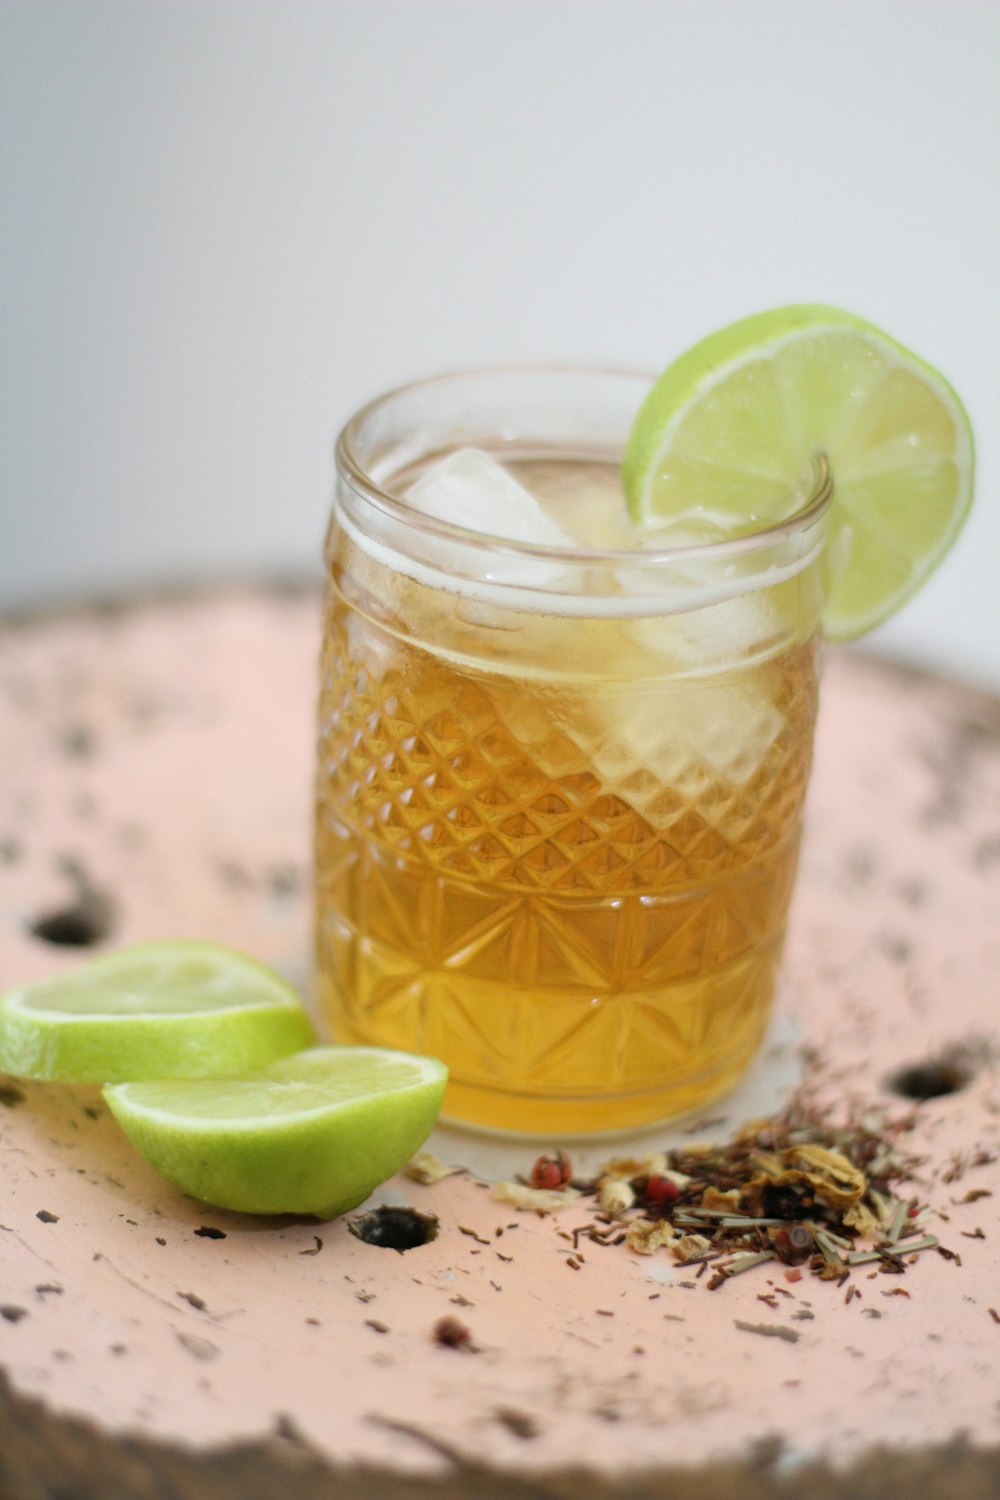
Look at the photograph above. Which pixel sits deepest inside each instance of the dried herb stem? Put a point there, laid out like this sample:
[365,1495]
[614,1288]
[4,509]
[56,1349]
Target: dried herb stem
[741,1263]
[828,1249]
[836,1239]
[892,1251]
[898,1220]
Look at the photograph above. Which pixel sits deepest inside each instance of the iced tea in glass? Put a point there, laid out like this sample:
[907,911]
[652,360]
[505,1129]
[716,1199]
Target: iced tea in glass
[562,765]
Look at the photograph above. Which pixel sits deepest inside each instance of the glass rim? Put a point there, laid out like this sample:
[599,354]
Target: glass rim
[396,508]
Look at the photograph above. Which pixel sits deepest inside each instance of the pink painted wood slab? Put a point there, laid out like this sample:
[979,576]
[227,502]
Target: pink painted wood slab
[155,766]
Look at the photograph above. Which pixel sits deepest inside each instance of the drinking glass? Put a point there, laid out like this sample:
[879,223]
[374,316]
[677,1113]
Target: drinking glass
[559,789]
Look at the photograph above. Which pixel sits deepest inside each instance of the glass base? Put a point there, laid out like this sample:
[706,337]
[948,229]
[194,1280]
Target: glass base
[762,1089]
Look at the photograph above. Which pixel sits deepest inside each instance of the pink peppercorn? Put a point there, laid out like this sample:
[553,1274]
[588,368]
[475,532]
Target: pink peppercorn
[662,1191]
[551,1171]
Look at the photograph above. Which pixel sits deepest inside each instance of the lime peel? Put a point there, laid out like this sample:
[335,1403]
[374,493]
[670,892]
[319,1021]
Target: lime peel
[349,1118]
[154,1010]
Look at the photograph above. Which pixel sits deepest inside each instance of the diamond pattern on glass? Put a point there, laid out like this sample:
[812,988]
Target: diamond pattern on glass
[561,890]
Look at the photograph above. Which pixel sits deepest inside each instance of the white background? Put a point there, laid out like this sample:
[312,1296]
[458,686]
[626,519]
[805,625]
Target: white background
[229,222]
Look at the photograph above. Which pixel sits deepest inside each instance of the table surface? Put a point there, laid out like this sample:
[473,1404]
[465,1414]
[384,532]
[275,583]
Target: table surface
[155,769]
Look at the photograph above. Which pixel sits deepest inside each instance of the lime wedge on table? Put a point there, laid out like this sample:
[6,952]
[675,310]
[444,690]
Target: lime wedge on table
[311,1134]
[158,1010]
[733,429]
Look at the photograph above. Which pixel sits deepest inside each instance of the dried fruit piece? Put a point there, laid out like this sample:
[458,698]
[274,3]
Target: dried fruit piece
[692,1247]
[646,1236]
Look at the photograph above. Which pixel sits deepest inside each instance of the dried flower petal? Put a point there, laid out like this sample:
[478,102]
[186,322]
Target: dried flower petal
[427,1168]
[835,1180]
[828,1175]
[543,1200]
[627,1168]
[860,1217]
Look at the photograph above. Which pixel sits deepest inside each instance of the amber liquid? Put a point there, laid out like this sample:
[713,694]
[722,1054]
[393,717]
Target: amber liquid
[553,852]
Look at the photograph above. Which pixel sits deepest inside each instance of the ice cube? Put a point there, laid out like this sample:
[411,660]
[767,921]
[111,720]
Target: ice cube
[725,727]
[720,634]
[680,583]
[468,488]
[649,743]
[724,720]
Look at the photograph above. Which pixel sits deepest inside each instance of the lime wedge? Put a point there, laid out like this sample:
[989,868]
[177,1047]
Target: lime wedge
[732,430]
[158,1010]
[311,1134]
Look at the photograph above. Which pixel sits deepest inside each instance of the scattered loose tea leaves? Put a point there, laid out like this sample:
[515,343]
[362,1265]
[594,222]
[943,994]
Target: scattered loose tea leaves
[521,1423]
[820,1196]
[201,1348]
[287,1430]
[769,1330]
[451,1333]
